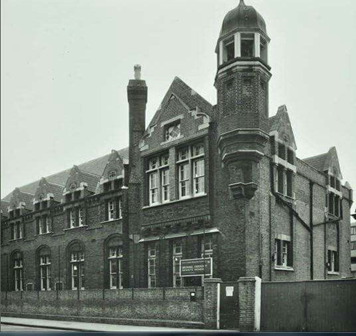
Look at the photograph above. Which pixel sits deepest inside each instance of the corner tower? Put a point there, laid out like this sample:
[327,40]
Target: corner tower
[241,81]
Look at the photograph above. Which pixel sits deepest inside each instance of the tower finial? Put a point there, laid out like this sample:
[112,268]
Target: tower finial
[242,2]
[137,69]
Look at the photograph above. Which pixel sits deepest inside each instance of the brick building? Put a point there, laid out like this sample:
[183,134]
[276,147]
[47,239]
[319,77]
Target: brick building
[353,248]
[198,181]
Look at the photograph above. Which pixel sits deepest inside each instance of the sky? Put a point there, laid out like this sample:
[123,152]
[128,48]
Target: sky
[65,66]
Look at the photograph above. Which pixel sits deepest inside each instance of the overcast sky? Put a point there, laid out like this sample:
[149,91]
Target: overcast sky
[66,63]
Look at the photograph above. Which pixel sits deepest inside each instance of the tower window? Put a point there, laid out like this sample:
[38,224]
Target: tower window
[247,45]
[264,50]
[229,50]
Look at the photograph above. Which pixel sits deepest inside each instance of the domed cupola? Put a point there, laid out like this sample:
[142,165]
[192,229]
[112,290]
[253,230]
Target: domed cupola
[243,18]
[243,34]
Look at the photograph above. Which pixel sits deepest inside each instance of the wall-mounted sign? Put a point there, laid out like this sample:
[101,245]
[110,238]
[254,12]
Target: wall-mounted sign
[196,267]
[229,290]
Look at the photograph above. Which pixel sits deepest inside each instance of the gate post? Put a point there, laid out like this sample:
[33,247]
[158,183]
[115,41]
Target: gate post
[250,303]
[212,303]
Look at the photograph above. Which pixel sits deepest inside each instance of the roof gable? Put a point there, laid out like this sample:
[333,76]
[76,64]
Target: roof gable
[59,180]
[78,179]
[327,162]
[114,167]
[182,108]
[45,190]
[280,123]
[187,95]
[21,199]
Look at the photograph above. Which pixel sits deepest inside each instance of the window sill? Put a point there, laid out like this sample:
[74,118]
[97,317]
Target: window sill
[175,201]
[76,228]
[111,221]
[287,269]
[172,140]
[334,273]
[45,234]
[14,240]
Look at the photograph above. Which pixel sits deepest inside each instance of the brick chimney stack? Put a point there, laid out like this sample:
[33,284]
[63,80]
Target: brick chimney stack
[137,98]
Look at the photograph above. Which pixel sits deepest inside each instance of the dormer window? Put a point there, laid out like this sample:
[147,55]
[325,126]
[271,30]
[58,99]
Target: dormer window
[68,197]
[37,206]
[228,49]
[247,45]
[172,131]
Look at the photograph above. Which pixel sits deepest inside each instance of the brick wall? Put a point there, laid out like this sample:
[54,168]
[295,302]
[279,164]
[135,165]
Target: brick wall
[143,306]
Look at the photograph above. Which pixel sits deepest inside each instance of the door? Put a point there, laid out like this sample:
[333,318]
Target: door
[229,305]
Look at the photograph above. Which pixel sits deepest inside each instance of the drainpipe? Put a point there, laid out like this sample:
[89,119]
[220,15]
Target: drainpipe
[270,220]
[311,205]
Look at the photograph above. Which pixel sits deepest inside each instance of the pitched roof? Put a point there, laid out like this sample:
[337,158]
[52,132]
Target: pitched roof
[95,166]
[4,206]
[326,161]
[317,161]
[281,124]
[190,98]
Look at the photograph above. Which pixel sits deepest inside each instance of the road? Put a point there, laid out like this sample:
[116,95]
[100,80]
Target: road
[8,327]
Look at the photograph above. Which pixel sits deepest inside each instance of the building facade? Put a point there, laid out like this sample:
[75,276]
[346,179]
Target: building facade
[199,181]
[353,248]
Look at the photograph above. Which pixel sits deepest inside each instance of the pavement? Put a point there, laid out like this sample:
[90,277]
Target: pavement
[84,326]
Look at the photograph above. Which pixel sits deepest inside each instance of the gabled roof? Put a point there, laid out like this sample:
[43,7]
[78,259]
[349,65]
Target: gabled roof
[114,165]
[4,206]
[44,188]
[326,162]
[77,177]
[186,95]
[281,123]
[18,196]
[95,166]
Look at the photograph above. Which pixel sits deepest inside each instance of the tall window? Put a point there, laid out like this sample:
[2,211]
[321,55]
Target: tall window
[76,217]
[113,209]
[18,271]
[45,269]
[77,274]
[191,170]
[228,49]
[333,261]
[177,256]
[158,179]
[72,221]
[43,225]
[16,231]
[247,45]
[283,256]
[152,276]
[115,264]
[207,246]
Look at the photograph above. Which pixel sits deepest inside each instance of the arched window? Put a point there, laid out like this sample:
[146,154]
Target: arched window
[44,262]
[76,265]
[17,262]
[114,258]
